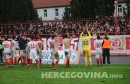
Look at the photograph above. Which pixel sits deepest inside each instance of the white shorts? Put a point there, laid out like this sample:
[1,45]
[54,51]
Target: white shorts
[67,52]
[7,51]
[98,53]
[53,52]
[13,54]
[22,53]
[33,55]
[7,55]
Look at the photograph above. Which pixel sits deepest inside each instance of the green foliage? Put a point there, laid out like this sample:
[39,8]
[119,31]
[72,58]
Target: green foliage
[67,14]
[17,10]
[83,9]
[128,7]
[80,9]
[105,8]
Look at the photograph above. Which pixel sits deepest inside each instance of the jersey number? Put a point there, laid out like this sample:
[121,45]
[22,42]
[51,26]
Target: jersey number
[85,42]
[6,45]
[98,45]
[32,46]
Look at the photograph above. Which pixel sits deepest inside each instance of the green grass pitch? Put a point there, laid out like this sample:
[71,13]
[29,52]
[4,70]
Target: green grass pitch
[24,75]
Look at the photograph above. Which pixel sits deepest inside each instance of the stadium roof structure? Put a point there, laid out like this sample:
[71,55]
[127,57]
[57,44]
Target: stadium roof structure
[56,3]
[121,1]
[50,3]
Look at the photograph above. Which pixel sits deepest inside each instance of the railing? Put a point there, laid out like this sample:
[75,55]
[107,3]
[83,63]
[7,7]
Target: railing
[46,28]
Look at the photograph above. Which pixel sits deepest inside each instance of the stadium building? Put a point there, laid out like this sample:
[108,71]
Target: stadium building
[54,9]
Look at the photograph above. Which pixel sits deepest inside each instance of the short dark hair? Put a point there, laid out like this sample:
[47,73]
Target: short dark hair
[66,36]
[21,35]
[85,32]
[6,38]
[40,37]
[98,37]
[31,37]
[13,37]
[53,36]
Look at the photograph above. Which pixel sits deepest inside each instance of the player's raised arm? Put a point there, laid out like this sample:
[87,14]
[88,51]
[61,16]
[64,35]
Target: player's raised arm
[11,46]
[28,48]
[37,47]
[89,34]
[56,34]
[81,35]
[69,35]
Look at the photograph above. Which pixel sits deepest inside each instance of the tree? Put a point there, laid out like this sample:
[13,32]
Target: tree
[83,8]
[17,10]
[105,8]
[124,11]
[91,8]
[128,7]
[67,13]
[80,9]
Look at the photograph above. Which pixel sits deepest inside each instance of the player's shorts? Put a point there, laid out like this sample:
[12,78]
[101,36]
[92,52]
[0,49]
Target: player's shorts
[67,52]
[40,54]
[98,53]
[13,54]
[7,55]
[33,55]
[26,51]
[22,53]
[54,55]
[86,52]
[17,53]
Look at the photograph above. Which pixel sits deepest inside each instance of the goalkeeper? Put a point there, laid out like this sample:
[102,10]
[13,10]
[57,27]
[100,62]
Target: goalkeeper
[86,47]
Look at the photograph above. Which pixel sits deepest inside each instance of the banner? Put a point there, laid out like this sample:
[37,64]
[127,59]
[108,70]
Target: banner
[74,59]
[120,44]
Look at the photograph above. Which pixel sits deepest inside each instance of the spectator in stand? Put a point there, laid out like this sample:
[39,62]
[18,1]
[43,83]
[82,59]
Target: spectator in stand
[104,25]
[128,26]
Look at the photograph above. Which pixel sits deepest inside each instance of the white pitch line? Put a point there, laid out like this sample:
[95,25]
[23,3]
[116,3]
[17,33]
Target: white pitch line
[92,67]
[112,67]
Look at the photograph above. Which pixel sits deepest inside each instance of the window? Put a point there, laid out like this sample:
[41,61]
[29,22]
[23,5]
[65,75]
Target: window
[45,13]
[119,8]
[56,12]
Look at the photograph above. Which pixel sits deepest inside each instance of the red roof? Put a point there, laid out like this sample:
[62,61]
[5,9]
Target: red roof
[121,1]
[56,3]
[50,3]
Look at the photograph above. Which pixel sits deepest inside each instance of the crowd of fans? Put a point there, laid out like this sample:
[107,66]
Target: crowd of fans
[101,26]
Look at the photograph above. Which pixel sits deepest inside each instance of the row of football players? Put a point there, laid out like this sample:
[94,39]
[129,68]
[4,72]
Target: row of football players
[27,52]
[29,49]
[33,50]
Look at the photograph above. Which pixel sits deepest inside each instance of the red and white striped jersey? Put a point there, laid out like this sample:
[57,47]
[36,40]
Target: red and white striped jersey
[13,45]
[7,46]
[32,45]
[98,44]
[40,44]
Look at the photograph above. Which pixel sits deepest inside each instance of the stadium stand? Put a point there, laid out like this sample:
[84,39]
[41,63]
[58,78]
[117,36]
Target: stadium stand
[44,28]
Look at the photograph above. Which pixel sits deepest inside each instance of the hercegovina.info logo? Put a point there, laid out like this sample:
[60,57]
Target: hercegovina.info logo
[79,75]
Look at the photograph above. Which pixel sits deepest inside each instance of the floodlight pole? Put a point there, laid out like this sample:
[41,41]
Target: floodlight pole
[116,8]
